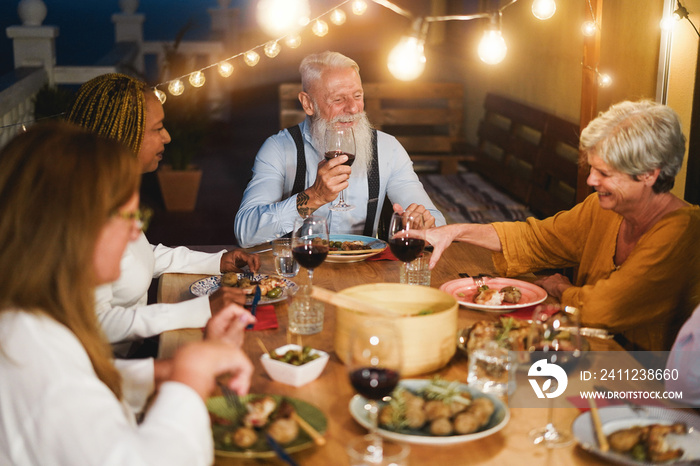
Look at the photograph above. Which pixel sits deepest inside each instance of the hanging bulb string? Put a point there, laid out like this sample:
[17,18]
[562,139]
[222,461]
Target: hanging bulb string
[233,57]
[686,16]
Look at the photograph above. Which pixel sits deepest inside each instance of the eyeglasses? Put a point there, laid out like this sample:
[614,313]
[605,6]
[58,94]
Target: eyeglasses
[141,216]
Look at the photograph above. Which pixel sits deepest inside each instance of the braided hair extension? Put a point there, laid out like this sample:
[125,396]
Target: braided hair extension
[112,105]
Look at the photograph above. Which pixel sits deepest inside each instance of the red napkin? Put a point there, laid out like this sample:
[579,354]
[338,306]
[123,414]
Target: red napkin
[267,318]
[385,255]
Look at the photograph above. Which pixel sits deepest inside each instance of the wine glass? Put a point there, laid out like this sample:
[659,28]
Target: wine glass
[374,364]
[404,248]
[310,243]
[554,338]
[340,140]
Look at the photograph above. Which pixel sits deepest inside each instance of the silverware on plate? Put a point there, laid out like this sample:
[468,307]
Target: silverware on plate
[279,451]
[256,300]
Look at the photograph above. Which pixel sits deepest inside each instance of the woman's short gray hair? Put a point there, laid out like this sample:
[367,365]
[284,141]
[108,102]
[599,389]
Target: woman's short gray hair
[636,138]
[312,66]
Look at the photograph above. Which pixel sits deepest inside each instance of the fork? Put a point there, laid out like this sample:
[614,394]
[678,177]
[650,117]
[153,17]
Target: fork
[479,279]
[231,397]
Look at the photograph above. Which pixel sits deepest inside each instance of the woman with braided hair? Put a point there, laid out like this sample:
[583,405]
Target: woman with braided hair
[123,108]
[65,401]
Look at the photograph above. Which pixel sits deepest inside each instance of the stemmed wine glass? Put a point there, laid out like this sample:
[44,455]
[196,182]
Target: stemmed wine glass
[404,248]
[374,364]
[310,242]
[340,140]
[554,338]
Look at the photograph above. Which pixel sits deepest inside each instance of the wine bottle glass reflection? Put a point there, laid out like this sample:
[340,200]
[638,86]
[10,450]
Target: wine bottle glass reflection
[340,140]
[554,337]
[374,364]
[404,248]
[310,243]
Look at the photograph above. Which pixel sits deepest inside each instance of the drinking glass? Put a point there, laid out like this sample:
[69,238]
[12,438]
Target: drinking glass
[404,248]
[285,264]
[555,337]
[310,243]
[374,364]
[340,140]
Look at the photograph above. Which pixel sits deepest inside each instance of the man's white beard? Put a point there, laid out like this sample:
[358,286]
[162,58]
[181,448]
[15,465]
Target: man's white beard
[362,129]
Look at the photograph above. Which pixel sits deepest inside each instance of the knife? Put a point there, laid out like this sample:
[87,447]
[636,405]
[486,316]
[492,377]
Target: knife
[279,451]
[254,306]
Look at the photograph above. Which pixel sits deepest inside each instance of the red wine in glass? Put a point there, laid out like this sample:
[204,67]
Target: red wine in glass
[406,249]
[337,153]
[310,256]
[374,383]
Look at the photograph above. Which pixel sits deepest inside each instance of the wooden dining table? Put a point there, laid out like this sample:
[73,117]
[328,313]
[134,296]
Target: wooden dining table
[332,391]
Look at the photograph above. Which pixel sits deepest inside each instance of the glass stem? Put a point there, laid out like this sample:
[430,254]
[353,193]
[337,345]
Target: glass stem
[373,417]
[311,276]
[341,200]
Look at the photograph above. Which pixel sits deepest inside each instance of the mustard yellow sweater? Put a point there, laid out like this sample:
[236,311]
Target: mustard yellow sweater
[646,299]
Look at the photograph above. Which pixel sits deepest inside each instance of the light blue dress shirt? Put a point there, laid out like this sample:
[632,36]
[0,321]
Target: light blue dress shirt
[268,209]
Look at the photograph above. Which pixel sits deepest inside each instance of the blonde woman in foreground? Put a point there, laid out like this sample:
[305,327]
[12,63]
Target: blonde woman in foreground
[64,400]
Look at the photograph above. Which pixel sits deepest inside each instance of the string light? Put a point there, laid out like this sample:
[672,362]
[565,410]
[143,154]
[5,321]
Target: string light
[588,28]
[604,80]
[197,79]
[280,17]
[293,41]
[320,28]
[251,58]
[272,49]
[176,87]
[161,95]
[407,60]
[225,69]
[359,7]
[338,17]
[492,48]
[543,9]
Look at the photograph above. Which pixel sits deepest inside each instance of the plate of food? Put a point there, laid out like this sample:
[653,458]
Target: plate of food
[243,435]
[459,414]
[643,436]
[497,294]
[353,248]
[272,287]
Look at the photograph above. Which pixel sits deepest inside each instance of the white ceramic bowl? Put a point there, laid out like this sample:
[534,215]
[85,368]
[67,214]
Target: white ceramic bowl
[290,374]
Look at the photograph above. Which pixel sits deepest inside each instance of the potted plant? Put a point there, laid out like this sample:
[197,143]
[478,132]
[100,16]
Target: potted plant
[186,119]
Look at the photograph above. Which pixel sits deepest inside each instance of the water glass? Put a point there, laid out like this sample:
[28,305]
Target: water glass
[305,313]
[365,451]
[492,369]
[285,264]
[416,272]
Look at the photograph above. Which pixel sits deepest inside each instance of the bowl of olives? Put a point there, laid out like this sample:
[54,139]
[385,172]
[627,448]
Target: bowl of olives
[294,364]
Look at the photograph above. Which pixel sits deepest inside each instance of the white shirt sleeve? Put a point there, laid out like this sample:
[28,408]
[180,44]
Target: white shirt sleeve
[55,411]
[684,358]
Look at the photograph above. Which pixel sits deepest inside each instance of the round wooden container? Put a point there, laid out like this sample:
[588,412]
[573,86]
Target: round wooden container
[428,341]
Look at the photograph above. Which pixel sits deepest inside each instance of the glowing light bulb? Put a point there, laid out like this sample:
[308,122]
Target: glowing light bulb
[338,17]
[604,80]
[161,95]
[225,69]
[543,9]
[359,7]
[279,17]
[407,59]
[320,28]
[492,48]
[272,49]
[251,58]
[667,23]
[588,28]
[197,79]
[176,87]
[293,41]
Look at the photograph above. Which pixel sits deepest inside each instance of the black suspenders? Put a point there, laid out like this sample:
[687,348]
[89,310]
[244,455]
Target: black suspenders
[372,176]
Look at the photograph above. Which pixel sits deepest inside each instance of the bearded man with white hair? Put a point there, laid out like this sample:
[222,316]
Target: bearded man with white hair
[291,178]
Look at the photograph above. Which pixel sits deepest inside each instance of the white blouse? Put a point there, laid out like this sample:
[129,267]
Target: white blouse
[121,306]
[55,411]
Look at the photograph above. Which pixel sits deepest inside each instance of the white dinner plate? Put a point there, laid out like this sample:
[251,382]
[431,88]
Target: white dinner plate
[464,290]
[208,285]
[376,247]
[614,418]
[498,420]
